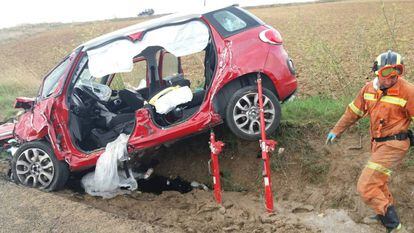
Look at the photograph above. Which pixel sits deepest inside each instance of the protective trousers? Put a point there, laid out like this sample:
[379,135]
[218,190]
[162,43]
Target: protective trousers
[373,182]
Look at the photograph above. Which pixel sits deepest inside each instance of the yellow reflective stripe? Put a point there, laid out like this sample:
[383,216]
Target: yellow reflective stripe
[379,168]
[369,96]
[412,118]
[394,100]
[355,109]
[386,99]
[161,93]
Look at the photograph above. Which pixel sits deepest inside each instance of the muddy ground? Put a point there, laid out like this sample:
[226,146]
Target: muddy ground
[303,203]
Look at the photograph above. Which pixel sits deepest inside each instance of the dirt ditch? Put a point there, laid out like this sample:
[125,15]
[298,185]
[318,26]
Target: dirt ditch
[328,203]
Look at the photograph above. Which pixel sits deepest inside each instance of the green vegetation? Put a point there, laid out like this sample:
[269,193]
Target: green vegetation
[3,155]
[316,110]
[8,94]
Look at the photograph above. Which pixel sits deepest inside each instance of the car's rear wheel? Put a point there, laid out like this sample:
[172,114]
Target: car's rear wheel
[242,112]
[35,165]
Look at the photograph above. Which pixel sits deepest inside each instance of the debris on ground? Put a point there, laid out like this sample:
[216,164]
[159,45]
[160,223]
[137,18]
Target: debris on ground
[106,181]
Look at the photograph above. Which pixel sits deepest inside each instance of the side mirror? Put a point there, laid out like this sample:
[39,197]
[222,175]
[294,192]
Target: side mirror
[24,102]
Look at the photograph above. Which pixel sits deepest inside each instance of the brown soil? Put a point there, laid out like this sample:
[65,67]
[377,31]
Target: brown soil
[328,182]
[328,204]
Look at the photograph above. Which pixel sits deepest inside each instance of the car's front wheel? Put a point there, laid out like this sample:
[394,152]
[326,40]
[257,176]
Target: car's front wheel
[35,165]
[243,116]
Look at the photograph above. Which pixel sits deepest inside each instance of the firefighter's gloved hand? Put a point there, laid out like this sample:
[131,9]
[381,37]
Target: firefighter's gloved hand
[330,138]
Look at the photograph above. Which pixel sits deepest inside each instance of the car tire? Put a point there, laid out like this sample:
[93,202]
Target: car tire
[242,113]
[35,165]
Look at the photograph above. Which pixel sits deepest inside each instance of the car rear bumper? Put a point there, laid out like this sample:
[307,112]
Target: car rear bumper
[290,97]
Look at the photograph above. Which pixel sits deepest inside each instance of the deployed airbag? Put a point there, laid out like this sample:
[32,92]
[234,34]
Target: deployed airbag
[117,56]
[172,99]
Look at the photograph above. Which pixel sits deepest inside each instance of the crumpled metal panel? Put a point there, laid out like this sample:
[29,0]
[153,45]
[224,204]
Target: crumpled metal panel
[34,124]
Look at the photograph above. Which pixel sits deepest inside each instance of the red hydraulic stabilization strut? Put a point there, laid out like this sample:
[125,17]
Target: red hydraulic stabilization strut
[216,147]
[266,146]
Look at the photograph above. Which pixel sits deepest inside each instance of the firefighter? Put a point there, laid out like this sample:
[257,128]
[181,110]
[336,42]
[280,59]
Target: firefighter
[388,100]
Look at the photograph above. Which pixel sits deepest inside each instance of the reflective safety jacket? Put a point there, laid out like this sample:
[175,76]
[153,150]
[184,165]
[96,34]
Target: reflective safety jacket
[390,111]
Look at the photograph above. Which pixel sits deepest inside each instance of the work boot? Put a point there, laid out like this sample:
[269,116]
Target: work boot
[390,220]
[398,229]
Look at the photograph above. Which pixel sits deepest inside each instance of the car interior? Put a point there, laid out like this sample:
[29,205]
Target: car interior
[103,108]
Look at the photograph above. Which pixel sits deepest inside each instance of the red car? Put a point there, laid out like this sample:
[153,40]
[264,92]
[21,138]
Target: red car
[115,83]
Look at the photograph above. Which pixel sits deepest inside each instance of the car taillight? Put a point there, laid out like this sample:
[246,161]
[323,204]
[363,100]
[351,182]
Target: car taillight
[271,36]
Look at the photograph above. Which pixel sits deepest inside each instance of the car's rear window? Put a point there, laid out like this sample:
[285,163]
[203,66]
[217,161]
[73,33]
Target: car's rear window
[229,21]
[232,20]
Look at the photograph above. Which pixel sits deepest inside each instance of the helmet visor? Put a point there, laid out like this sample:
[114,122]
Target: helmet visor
[389,71]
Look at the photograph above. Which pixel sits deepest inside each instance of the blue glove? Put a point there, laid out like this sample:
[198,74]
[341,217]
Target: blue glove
[329,139]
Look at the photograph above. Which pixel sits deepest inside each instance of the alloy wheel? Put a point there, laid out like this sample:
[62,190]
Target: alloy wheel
[246,114]
[34,167]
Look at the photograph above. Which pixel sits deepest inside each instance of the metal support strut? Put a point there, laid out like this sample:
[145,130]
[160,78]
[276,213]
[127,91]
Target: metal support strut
[215,147]
[266,146]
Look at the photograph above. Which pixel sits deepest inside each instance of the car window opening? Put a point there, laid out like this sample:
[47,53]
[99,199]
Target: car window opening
[101,111]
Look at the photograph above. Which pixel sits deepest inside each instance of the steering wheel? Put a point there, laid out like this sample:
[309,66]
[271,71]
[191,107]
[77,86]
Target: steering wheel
[79,105]
[90,94]
[84,102]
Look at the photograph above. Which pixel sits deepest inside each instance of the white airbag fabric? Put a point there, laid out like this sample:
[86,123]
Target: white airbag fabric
[172,99]
[105,181]
[117,56]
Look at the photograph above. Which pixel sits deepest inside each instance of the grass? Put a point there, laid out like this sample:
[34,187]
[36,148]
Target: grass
[318,111]
[8,94]
[4,156]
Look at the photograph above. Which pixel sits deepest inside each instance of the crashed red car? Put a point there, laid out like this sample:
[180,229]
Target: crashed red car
[115,83]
